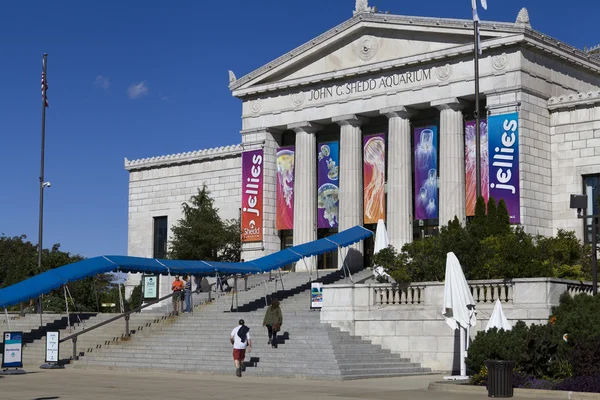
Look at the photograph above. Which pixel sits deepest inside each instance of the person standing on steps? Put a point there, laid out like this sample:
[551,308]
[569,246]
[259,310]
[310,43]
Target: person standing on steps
[177,288]
[273,321]
[240,339]
[187,293]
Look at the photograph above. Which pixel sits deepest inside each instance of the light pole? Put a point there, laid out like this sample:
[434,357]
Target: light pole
[43,184]
[579,201]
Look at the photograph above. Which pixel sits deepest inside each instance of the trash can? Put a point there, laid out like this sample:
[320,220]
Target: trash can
[500,379]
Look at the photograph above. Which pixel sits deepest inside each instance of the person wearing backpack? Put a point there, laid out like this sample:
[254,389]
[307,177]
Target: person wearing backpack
[273,320]
[240,339]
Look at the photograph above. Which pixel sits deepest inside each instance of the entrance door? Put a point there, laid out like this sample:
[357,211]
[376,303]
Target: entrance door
[327,260]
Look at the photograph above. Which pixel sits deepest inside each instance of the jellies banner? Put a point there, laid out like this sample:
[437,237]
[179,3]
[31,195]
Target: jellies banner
[426,172]
[470,163]
[327,184]
[252,196]
[503,150]
[284,218]
[374,178]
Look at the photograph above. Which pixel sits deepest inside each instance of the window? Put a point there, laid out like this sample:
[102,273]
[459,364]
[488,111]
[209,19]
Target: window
[160,237]
[591,187]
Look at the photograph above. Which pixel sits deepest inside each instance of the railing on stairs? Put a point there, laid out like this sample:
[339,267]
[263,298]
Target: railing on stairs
[126,315]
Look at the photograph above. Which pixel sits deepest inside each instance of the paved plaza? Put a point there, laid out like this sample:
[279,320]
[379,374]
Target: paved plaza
[73,384]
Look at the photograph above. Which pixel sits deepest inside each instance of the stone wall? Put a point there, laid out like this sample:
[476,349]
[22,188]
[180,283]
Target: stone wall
[409,321]
[158,186]
[575,146]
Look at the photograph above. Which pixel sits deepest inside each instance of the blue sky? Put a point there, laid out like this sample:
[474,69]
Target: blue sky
[137,79]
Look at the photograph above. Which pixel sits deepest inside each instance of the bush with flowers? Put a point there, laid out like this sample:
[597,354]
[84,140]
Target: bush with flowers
[563,354]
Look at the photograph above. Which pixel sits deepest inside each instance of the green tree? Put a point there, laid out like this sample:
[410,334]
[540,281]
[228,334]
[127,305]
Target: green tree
[478,226]
[19,261]
[502,223]
[202,235]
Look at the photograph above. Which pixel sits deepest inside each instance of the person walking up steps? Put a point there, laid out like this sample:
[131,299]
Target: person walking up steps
[273,321]
[240,339]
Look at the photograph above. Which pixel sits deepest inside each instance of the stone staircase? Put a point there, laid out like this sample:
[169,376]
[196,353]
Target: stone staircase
[199,342]
[34,340]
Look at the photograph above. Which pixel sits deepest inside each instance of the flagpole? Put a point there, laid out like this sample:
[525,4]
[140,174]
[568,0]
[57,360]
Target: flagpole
[477,127]
[41,215]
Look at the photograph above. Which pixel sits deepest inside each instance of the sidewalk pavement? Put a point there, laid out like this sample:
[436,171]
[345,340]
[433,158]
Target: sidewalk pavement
[75,384]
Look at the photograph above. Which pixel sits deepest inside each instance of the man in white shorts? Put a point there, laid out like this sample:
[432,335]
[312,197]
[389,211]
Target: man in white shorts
[240,339]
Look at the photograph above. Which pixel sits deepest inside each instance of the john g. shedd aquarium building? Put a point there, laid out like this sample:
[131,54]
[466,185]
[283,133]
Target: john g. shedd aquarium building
[374,119]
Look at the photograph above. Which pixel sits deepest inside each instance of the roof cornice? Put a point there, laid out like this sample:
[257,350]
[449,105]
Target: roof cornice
[576,55]
[183,158]
[574,100]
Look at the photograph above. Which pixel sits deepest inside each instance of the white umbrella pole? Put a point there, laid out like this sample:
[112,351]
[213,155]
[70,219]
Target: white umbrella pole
[463,367]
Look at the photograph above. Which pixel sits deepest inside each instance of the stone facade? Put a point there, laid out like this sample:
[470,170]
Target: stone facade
[409,321]
[381,73]
[158,186]
[575,147]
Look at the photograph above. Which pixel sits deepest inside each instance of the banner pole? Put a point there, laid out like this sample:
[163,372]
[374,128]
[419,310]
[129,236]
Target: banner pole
[477,118]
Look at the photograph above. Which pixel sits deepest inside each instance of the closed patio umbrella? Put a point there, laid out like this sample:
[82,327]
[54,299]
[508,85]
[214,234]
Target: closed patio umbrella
[498,319]
[459,307]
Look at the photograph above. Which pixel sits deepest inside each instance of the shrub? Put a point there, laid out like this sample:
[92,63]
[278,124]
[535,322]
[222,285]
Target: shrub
[580,384]
[578,316]
[498,345]
[584,356]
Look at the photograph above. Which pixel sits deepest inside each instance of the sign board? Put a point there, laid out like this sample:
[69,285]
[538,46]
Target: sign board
[316,295]
[52,339]
[13,354]
[150,287]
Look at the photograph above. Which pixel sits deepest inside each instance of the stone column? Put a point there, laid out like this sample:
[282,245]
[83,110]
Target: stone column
[399,178]
[351,183]
[305,187]
[452,196]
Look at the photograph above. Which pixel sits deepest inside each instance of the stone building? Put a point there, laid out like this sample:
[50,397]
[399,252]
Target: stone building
[408,84]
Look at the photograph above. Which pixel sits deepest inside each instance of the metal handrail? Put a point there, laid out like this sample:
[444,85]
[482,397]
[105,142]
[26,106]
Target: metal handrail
[125,315]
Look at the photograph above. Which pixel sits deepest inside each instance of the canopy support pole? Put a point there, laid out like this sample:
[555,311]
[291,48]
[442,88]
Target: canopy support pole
[69,292]
[169,274]
[7,320]
[304,262]
[67,308]
[344,265]
[281,278]
[120,294]
[266,294]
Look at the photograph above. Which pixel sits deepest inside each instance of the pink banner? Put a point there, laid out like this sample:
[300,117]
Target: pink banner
[374,178]
[470,164]
[252,196]
[284,218]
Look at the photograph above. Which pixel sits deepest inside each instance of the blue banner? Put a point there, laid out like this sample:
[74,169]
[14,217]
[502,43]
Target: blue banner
[503,153]
[426,172]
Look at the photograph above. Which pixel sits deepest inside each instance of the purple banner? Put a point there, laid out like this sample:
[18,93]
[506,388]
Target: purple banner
[471,164]
[426,173]
[503,150]
[327,185]
[252,196]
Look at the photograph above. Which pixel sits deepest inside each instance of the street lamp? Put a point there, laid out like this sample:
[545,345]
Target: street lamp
[579,202]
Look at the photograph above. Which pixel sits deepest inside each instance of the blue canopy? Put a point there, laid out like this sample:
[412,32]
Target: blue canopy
[50,280]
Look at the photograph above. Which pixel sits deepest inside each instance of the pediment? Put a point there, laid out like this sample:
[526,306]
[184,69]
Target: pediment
[361,42]
[369,46]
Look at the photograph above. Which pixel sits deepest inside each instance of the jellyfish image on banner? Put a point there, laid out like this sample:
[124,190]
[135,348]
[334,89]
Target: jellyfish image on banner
[285,188]
[426,152]
[431,208]
[470,164]
[374,178]
[328,200]
[327,183]
[431,184]
[425,173]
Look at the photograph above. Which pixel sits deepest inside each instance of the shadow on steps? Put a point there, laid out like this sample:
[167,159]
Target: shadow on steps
[283,294]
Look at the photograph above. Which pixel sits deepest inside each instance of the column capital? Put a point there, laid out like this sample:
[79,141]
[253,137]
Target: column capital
[398,112]
[308,127]
[351,120]
[451,103]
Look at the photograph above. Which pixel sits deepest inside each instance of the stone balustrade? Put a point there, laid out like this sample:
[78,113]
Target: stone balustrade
[483,292]
[407,319]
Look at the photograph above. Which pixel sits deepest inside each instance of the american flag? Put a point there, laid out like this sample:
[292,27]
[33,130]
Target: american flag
[44,85]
